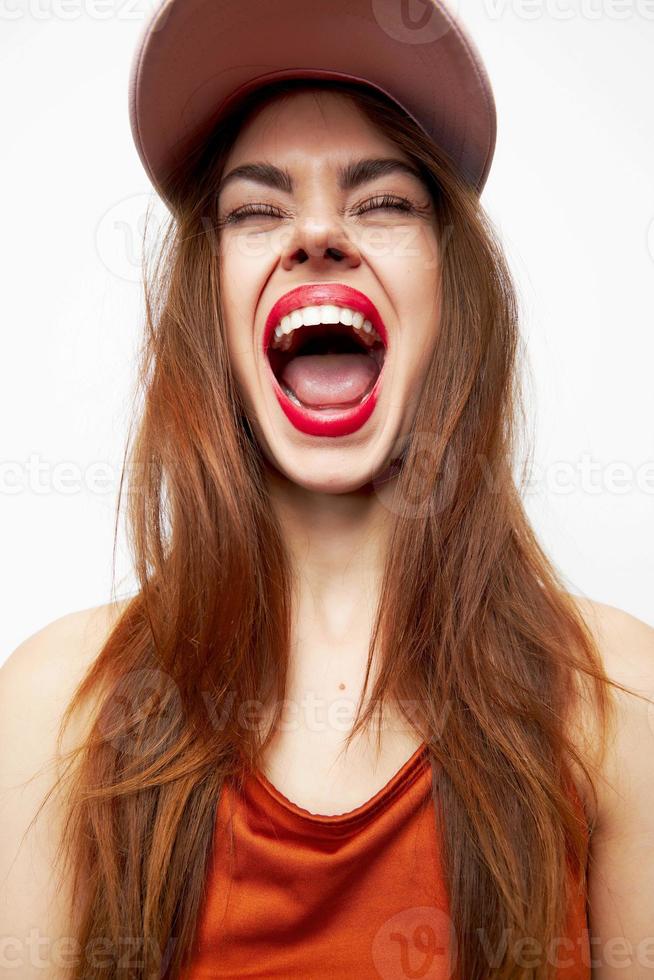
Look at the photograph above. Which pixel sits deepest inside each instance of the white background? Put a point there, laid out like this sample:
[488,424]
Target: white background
[571,193]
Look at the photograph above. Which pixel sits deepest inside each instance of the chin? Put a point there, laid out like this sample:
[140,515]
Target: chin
[333,471]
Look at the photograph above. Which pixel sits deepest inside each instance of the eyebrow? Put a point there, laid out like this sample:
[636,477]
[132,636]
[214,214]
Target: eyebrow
[350,175]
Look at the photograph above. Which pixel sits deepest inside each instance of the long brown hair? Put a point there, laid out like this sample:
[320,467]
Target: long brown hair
[476,639]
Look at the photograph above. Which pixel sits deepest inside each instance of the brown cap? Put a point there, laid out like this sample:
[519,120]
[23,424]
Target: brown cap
[196,58]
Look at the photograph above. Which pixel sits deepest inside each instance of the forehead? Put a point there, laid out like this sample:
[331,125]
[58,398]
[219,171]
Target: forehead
[326,126]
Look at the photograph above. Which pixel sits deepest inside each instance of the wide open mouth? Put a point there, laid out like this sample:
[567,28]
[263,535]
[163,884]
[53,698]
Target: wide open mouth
[327,366]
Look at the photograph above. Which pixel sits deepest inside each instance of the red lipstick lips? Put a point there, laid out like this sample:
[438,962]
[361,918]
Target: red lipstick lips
[333,421]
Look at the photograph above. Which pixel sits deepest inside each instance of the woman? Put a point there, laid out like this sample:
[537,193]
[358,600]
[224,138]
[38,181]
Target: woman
[349,666]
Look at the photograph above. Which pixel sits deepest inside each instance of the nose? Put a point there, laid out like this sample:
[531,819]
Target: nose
[319,241]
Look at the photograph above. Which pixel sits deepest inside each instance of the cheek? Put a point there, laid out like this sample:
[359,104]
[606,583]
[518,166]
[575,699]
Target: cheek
[418,360]
[414,249]
[237,317]
[411,266]
[421,336]
[240,356]
[417,300]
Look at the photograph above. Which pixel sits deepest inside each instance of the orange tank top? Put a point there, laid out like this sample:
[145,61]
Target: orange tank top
[293,894]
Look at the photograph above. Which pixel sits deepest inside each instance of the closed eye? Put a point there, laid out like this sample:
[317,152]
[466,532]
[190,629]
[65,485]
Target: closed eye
[381,202]
[386,201]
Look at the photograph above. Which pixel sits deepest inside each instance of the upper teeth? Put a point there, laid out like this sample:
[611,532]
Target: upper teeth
[308,316]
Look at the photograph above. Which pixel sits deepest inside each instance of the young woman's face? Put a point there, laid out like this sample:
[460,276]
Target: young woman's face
[329,402]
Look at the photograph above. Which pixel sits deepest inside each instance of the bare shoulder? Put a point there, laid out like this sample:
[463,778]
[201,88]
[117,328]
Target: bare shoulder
[626,647]
[39,677]
[68,640]
[620,867]
[625,643]
[36,684]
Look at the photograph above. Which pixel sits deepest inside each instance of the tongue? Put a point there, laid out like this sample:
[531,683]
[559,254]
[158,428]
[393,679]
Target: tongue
[330,379]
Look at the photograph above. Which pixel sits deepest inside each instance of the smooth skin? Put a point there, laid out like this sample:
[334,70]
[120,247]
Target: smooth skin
[336,527]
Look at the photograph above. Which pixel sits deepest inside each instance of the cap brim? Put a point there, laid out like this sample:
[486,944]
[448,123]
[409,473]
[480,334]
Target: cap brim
[193,55]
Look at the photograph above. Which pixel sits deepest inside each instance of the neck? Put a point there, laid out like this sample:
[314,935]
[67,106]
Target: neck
[337,545]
